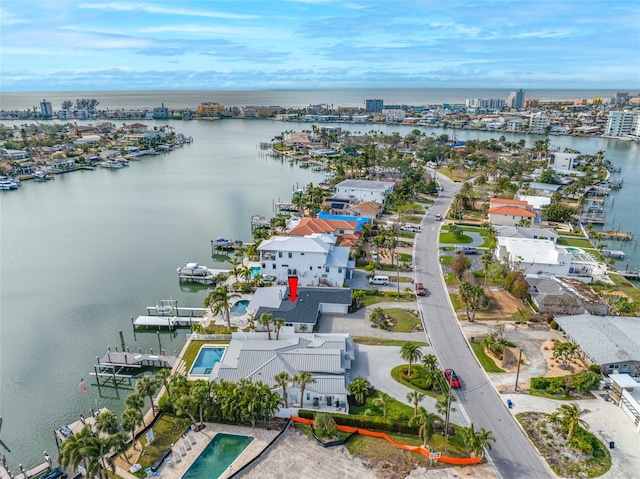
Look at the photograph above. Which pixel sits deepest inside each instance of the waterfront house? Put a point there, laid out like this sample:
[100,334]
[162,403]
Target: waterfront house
[534,256]
[346,232]
[366,209]
[314,259]
[563,162]
[364,190]
[328,357]
[563,296]
[136,128]
[524,232]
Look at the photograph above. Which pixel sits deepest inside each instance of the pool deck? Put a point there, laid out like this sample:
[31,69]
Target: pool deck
[261,438]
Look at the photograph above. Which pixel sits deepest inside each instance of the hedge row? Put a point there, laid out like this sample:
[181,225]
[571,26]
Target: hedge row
[366,422]
[583,382]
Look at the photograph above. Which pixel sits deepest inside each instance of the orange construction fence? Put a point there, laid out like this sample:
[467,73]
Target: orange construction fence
[382,435]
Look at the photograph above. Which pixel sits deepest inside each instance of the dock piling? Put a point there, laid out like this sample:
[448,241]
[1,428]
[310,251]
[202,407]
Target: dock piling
[122,340]
[159,344]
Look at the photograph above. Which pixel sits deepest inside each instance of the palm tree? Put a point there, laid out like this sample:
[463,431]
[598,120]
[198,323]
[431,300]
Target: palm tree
[120,443]
[357,295]
[486,260]
[98,452]
[201,393]
[283,379]
[381,401]
[135,401]
[415,397]
[474,298]
[107,422]
[303,379]
[163,376]
[279,323]
[482,440]
[218,302]
[71,450]
[147,386]
[424,421]
[571,418]
[265,321]
[359,388]
[131,419]
[430,362]
[186,406]
[411,353]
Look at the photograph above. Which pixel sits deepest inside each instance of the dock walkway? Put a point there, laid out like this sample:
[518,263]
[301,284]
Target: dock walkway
[136,360]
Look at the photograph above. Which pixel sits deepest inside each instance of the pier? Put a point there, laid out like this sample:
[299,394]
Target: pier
[170,322]
[634,275]
[613,235]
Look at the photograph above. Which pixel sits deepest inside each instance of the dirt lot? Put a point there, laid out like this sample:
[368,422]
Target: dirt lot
[553,366]
[503,305]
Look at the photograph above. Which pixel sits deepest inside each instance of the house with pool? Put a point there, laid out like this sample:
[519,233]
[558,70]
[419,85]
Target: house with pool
[302,310]
[328,357]
[314,259]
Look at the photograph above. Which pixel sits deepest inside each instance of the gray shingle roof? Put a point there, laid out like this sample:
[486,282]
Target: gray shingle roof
[604,339]
[305,309]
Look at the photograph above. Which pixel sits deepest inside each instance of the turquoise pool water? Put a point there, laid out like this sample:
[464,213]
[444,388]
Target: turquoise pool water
[573,250]
[217,456]
[239,308]
[255,271]
[206,359]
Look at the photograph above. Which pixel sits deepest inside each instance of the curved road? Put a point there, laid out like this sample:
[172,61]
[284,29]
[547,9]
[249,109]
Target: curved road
[512,453]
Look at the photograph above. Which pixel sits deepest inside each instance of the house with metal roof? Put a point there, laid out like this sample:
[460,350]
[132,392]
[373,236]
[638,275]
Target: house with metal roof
[524,232]
[328,357]
[611,342]
[302,311]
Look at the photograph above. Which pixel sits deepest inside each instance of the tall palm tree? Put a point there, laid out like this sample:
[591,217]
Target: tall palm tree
[303,379]
[218,302]
[381,401]
[163,376]
[279,323]
[283,379]
[98,452]
[265,321]
[131,419]
[430,362]
[201,393]
[486,260]
[120,443]
[359,388]
[411,353]
[482,440]
[186,406]
[571,418]
[135,401]
[424,420]
[107,422]
[147,386]
[415,397]
[71,450]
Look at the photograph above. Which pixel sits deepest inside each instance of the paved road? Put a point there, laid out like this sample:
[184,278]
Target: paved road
[512,453]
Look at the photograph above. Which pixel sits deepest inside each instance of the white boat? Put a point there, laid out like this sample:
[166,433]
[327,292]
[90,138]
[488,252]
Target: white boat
[40,175]
[221,242]
[8,184]
[194,269]
[112,164]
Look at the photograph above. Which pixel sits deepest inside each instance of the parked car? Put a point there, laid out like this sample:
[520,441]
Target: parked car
[420,291]
[374,255]
[379,279]
[452,378]
[413,229]
[438,217]
[466,250]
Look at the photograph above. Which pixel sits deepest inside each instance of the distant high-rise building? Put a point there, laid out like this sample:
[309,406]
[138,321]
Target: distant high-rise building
[490,103]
[531,103]
[515,99]
[45,108]
[621,123]
[375,106]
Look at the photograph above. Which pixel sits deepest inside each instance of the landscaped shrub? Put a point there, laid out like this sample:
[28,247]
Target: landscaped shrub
[539,383]
[594,368]
[553,325]
[324,425]
[367,422]
[420,383]
[165,404]
[415,373]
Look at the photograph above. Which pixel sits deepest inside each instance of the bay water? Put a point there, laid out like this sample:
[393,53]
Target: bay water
[83,254]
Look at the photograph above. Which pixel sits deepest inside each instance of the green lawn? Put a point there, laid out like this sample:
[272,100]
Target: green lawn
[405,321]
[446,260]
[456,301]
[450,279]
[406,234]
[167,431]
[485,361]
[446,237]
[395,374]
[405,257]
[384,342]
[384,298]
[395,409]
[624,285]
[577,242]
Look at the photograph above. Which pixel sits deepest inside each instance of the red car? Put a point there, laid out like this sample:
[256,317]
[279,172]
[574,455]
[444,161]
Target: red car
[420,291]
[452,378]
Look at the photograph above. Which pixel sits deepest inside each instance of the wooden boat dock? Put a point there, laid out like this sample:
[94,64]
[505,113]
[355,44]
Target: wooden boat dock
[613,235]
[635,275]
[170,322]
[136,360]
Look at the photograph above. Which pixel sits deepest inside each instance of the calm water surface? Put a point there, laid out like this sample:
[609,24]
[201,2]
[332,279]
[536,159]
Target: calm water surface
[83,254]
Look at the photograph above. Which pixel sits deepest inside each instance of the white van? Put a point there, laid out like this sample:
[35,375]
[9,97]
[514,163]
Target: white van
[379,279]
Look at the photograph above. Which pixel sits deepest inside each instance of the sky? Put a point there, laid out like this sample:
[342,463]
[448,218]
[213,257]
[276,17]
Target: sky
[68,45]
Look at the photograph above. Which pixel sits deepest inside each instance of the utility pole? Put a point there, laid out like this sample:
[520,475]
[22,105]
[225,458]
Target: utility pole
[446,423]
[518,373]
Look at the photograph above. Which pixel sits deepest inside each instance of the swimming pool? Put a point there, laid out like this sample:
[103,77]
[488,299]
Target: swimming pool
[217,456]
[239,308]
[207,357]
[255,271]
[573,250]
